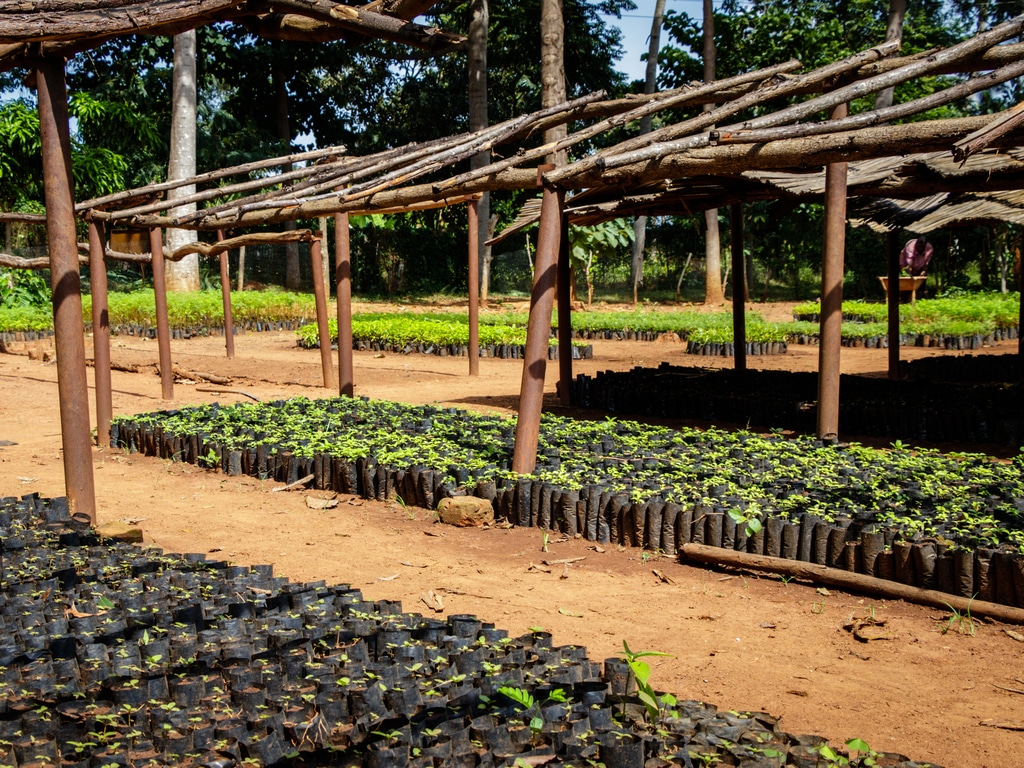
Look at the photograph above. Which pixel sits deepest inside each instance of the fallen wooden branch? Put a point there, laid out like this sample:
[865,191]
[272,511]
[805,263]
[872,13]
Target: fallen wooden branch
[213,378]
[292,486]
[1006,725]
[230,391]
[125,367]
[1009,690]
[854,581]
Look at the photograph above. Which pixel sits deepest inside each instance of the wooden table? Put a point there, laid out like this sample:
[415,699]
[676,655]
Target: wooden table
[907,285]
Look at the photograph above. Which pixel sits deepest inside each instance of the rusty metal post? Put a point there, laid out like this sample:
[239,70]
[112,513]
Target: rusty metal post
[739,289]
[343,280]
[538,331]
[163,328]
[323,330]
[66,284]
[892,254]
[474,288]
[564,316]
[100,333]
[831,331]
[225,295]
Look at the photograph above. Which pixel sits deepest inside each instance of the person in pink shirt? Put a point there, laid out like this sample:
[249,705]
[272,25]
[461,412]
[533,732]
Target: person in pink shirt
[915,256]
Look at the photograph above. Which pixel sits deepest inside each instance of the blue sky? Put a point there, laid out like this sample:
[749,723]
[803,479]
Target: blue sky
[636,28]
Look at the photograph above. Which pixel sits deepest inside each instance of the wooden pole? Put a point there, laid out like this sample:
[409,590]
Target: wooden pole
[225,295]
[564,316]
[538,331]
[343,291]
[739,289]
[892,297]
[100,333]
[831,331]
[163,329]
[66,285]
[474,288]
[323,331]
[241,268]
[857,582]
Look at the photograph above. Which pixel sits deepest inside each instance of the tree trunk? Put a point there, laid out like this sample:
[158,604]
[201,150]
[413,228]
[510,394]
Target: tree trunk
[894,31]
[478,121]
[650,86]
[183,275]
[552,70]
[292,275]
[713,293]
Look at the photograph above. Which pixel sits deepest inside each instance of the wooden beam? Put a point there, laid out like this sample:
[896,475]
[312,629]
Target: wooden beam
[324,21]
[739,288]
[225,297]
[538,332]
[564,298]
[42,20]
[323,331]
[256,238]
[343,278]
[163,330]
[66,285]
[100,334]
[892,257]
[473,257]
[830,335]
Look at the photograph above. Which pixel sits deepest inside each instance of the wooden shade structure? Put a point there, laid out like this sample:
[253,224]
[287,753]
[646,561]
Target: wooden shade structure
[685,165]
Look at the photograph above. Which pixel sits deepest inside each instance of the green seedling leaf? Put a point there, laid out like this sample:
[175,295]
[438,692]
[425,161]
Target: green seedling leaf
[567,612]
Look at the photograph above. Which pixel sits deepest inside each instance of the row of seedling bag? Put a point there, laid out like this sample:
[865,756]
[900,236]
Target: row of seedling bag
[623,482]
[237,667]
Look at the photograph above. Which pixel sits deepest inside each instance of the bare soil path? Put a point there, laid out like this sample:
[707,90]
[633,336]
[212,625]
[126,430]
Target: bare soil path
[739,641]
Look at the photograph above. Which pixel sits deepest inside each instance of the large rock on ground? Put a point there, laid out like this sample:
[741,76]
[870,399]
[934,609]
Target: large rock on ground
[465,511]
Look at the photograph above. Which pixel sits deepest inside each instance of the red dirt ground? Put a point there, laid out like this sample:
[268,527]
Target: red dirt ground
[738,640]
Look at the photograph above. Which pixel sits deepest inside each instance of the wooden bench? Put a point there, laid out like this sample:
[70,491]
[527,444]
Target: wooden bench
[907,285]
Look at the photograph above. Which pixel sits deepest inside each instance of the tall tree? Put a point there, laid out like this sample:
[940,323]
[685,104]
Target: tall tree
[650,85]
[183,275]
[477,56]
[552,69]
[713,291]
[893,31]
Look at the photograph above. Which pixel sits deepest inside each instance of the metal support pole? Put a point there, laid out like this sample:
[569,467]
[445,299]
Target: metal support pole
[892,297]
[832,294]
[564,316]
[100,333]
[324,332]
[66,284]
[163,328]
[538,331]
[739,289]
[343,279]
[474,288]
[225,295]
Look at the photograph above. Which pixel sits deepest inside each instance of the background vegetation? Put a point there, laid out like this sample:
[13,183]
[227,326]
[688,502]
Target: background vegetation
[259,98]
